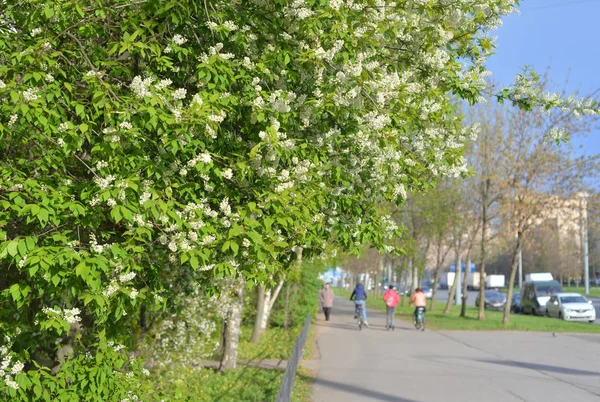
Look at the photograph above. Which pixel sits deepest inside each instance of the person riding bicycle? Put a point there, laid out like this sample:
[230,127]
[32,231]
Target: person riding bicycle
[359,295]
[420,301]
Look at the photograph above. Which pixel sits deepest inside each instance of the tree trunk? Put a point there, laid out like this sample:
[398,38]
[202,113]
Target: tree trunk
[481,315]
[405,278]
[463,306]
[414,275]
[436,281]
[511,281]
[286,309]
[232,324]
[455,281]
[260,310]
[270,298]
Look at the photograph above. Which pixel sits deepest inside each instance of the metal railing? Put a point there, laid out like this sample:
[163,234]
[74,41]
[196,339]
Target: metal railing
[287,383]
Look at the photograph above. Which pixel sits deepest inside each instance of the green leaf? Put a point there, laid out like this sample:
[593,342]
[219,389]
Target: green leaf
[43,216]
[235,231]
[82,270]
[234,247]
[15,292]
[12,248]
[49,12]
[268,223]
[194,262]
[226,246]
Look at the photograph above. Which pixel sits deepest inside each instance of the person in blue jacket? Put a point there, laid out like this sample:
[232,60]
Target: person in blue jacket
[359,295]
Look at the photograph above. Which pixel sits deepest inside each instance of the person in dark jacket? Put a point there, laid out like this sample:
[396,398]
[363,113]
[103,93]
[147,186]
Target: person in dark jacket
[359,295]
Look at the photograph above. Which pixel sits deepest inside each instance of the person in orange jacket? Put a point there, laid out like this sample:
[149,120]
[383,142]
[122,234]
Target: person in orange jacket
[391,299]
[420,301]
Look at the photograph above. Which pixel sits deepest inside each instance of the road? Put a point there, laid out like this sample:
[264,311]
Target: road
[410,366]
[442,295]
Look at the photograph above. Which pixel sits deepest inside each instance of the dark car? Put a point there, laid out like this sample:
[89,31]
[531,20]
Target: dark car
[494,300]
[515,304]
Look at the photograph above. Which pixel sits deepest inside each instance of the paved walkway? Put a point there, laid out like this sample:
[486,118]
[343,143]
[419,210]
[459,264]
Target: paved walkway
[409,366]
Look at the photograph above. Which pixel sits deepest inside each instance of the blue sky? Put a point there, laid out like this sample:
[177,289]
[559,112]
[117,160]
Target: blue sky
[558,34]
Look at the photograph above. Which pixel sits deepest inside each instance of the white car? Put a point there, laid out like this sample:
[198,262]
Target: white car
[570,307]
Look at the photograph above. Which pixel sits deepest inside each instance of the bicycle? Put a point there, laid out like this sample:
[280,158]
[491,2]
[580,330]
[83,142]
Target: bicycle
[420,319]
[359,316]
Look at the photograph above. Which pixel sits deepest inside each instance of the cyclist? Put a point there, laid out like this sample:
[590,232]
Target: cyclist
[359,295]
[418,298]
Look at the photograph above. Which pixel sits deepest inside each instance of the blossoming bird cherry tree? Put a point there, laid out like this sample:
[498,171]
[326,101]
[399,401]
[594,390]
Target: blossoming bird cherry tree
[151,146]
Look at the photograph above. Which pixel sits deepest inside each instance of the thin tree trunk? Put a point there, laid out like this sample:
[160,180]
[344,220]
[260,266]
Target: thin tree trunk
[463,307]
[270,298]
[436,281]
[232,329]
[414,276]
[513,274]
[286,309]
[405,279]
[455,281]
[260,310]
[481,315]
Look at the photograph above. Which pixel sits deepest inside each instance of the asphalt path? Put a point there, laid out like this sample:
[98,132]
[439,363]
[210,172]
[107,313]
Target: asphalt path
[406,365]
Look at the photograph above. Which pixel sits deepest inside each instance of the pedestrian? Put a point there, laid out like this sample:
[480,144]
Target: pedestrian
[326,297]
[359,295]
[391,299]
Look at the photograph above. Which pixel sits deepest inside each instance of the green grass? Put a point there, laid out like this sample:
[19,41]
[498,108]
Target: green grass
[243,384]
[276,343]
[594,291]
[436,320]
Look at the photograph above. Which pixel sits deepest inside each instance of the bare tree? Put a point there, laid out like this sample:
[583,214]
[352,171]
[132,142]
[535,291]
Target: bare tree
[538,177]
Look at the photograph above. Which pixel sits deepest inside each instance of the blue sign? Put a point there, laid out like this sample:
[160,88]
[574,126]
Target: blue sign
[332,273]
[463,267]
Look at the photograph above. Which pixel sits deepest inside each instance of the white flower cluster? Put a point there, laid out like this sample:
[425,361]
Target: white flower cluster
[180,93]
[299,10]
[30,94]
[104,183]
[127,277]
[71,316]
[6,371]
[162,84]
[125,125]
[141,86]
[179,39]
[12,120]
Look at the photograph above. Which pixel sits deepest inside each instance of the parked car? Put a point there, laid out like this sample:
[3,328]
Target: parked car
[493,300]
[428,292]
[515,304]
[570,307]
[535,295]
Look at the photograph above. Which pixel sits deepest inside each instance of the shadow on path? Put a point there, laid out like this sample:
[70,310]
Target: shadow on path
[352,389]
[541,367]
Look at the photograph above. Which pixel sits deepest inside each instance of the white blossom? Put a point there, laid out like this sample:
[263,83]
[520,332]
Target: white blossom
[179,40]
[30,94]
[180,93]
[127,277]
[228,174]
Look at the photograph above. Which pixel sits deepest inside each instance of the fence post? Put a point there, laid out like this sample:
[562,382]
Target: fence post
[287,383]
